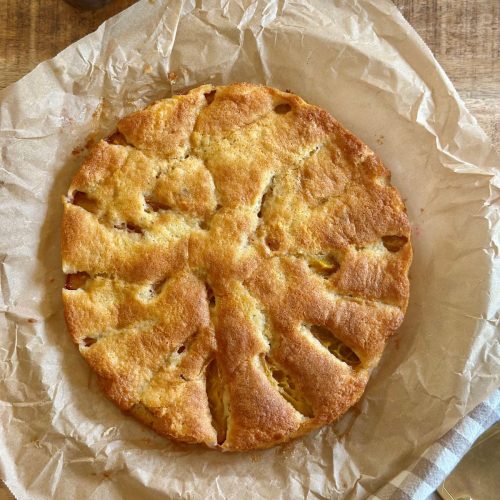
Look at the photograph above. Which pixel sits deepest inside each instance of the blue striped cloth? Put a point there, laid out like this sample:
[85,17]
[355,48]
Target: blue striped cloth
[422,478]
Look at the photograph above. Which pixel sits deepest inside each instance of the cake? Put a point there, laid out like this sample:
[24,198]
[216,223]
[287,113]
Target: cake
[235,262]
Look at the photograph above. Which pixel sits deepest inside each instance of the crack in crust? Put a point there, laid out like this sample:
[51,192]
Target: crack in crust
[254,262]
[169,360]
[286,386]
[217,400]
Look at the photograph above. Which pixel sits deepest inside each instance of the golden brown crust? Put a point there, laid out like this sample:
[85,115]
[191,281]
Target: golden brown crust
[236,261]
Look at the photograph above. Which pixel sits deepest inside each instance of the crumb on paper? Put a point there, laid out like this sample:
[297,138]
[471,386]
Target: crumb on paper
[91,141]
[78,150]
[105,474]
[422,210]
[172,76]
[255,458]
[51,280]
[288,91]
[148,69]
[32,320]
[380,140]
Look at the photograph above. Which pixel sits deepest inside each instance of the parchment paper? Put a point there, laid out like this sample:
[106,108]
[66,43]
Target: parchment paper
[360,60]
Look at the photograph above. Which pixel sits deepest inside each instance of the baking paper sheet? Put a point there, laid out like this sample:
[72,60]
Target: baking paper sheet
[361,61]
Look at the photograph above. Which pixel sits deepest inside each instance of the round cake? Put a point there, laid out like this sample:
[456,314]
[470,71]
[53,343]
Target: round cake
[236,261]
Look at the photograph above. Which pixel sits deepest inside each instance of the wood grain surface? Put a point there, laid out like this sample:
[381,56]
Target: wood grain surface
[464,35]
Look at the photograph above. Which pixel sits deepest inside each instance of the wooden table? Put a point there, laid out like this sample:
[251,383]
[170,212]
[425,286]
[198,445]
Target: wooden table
[463,34]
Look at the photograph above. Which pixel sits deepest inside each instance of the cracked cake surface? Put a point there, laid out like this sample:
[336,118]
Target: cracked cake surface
[235,262]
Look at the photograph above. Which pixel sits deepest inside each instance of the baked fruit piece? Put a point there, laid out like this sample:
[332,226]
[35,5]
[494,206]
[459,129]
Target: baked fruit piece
[235,262]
